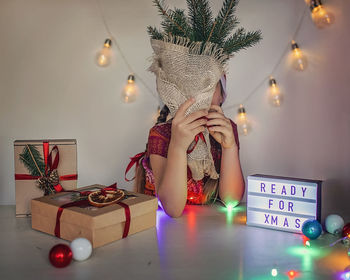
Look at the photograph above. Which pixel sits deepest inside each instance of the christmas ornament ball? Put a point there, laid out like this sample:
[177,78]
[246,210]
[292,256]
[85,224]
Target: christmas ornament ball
[312,229]
[334,223]
[81,248]
[60,255]
[346,230]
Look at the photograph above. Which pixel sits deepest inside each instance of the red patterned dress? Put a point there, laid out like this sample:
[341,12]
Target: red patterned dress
[158,143]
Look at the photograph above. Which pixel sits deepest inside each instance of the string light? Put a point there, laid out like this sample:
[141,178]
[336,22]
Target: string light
[320,16]
[103,57]
[275,95]
[299,61]
[112,39]
[292,273]
[130,91]
[242,121]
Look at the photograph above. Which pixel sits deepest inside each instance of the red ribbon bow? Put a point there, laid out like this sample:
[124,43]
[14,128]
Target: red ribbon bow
[196,139]
[85,203]
[49,167]
[133,160]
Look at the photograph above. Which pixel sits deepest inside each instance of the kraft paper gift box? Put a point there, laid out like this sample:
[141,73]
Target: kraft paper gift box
[27,185]
[99,225]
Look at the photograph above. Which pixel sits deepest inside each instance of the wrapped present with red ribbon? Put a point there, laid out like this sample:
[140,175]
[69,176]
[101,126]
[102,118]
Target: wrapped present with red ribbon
[43,167]
[70,214]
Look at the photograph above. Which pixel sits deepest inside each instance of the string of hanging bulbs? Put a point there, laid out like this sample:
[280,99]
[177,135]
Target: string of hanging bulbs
[321,17]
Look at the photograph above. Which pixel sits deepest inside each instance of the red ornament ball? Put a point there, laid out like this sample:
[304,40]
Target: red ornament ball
[60,255]
[346,230]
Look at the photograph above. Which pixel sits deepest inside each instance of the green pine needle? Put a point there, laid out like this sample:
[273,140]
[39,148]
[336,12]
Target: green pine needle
[241,40]
[201,19]
[154,33]
[28,162]
[170,22]
[225,22]
[199,25]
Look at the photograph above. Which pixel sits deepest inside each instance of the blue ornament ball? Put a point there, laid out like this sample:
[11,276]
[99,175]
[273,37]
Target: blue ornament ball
[334,224]
[311,229]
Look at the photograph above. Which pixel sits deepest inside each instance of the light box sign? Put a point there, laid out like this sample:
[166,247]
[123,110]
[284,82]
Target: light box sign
[282,203]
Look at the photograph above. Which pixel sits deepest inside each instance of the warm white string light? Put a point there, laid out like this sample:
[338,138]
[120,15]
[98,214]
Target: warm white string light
[115,42]
[299,61]
[320,16]
[277,102]
[103,57]
[267,78]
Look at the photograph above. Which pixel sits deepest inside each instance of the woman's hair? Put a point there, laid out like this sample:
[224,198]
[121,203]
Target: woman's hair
[163,114]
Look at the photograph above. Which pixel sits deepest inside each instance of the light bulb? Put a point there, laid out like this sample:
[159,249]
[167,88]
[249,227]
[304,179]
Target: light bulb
[243,124]
[103,57]
[319,14]
[130,91]
[275,95]
[299,61]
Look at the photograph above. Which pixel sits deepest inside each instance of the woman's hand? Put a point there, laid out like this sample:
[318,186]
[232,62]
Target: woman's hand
[220,127]
[185,128]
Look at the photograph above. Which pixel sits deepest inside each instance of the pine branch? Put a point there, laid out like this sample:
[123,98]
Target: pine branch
[198,26]
[241,40]
[206,18]
[167,18]
[28,156]
[154,33]
[225,21]
[178,16]
[211,31]
[201,19]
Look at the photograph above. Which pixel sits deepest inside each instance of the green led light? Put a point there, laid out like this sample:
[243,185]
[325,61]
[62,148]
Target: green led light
[301,251]
[231,205]
[274,272]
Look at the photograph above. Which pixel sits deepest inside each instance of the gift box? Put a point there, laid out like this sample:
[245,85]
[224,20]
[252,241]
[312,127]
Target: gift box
[69,215]
[43,167]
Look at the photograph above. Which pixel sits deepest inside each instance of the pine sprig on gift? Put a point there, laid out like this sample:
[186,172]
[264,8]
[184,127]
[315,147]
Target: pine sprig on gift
[199,25]
[32,160]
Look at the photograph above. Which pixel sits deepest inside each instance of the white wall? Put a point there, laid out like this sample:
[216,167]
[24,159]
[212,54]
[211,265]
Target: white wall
[51,88]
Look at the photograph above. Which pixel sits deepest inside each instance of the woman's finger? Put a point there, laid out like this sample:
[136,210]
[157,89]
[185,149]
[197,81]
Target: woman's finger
[184,106]
[225,131]
[196,115]
[196,123]
[222,122]
[217,108]
[197,130]
[215,115]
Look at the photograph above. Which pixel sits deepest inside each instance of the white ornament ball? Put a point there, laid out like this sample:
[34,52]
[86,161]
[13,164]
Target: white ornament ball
[334,223]
[81,249]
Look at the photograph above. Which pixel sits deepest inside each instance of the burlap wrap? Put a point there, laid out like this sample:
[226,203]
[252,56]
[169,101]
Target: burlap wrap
[187,69]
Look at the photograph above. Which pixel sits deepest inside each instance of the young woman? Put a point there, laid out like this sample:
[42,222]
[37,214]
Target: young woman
[165,162]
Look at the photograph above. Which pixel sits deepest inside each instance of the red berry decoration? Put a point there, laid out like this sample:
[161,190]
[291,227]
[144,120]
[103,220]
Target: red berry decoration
[60,255]
[346,230]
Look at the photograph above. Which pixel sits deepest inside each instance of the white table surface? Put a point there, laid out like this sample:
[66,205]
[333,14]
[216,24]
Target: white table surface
[205,243]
